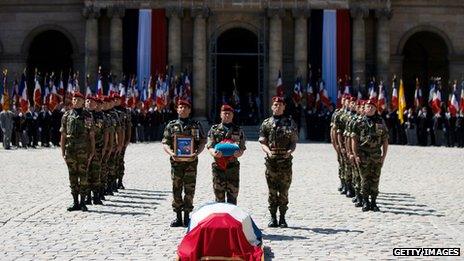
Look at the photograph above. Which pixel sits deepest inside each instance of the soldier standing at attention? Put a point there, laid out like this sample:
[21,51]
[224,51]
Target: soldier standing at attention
[125,115]
[183,170]
[226,169]
[77,148]
[6,124]
[278,136]
[370,145]
[93,105]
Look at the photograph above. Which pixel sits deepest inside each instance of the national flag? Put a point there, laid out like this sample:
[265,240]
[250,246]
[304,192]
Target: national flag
[360,95]
[297,94]
[347,88]
[462,99]
[381,101]
[310,97]
[23,100]
[339,99]
[37,91]
[187,89]
[436,102]
[401,103]
[279,86]
[111,87]
[431,91]
[324,96]
[99,89]
[5,101]
[88,91]
[371,89]
[453,105]
[394,100]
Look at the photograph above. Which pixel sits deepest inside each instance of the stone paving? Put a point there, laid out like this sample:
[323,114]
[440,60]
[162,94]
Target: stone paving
[421,206]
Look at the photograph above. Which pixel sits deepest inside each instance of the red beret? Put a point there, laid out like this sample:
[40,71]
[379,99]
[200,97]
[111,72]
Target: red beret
[352,98]
[372,101]
[99,100]
[346,96]
[93,98]
[278,99]
[77,94]
[227,107]
[107,99]
[115,96]
[184,102]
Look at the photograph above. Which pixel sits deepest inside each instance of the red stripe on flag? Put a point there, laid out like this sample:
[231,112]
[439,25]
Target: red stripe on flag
[343,44]
[158,41]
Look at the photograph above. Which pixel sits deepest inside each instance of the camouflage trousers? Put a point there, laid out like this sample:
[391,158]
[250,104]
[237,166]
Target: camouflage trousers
[184,177]
[348,170]
[279,178]
[371,164]
[226,182]
[104,174]
[341,168]
[77,166]
[120,164]
[112,168]
[94,172]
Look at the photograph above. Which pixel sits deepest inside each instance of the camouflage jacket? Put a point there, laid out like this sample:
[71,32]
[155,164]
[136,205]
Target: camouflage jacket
[78,126]
[101,125]
[219,132]
[279,133]
[188,127]
[371,133]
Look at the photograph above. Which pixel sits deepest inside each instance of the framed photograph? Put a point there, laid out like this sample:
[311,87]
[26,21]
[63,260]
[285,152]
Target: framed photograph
[183,146]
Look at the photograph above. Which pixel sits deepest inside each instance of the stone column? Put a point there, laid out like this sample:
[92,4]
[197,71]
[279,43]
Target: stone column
[275,49]
[199,62]
[91,13]
[174,15]
[116,13]
[359,43]
[301,42]
[383,44]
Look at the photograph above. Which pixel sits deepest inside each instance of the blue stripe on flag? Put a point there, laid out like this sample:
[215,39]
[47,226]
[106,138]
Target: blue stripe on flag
[329,53]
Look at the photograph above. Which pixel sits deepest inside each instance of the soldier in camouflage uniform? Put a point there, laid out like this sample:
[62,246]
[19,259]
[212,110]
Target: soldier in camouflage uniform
[109,142]
[338,129]
[344,121]
[334,140]
[226,177]
[370,145]
[94,106]
[278,136]
[77,148]
[183,173]
[356,172]
[126,121]
[118,140]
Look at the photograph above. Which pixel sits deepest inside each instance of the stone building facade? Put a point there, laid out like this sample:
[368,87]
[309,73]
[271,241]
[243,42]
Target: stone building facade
[403,37]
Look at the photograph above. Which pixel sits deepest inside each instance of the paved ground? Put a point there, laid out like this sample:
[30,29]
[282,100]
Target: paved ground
[421,202]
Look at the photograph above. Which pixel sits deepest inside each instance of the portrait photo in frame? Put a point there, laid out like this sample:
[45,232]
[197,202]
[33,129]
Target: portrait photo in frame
[183,146]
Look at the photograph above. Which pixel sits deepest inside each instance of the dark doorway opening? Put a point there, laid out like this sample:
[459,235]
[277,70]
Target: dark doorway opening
[237,69]
[50,51]
[425,56]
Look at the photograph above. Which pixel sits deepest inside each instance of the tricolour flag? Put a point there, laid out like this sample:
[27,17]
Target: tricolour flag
[418,95]
[23,99]
[381,101]
[453,105]
[436,102]
[37,91]
[394,100]
[279,86]
[324,96]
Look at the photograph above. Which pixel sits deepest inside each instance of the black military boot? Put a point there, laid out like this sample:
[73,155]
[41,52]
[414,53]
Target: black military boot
[88,198]
[186,218]
[343,188]
[359,201]
[97,198]
[349,190]
[282,222]
[178,221]
[366,205]
[355,198]
[120,185]
[273,221]
[75,206]
[374,206]
[83,206]
[102,193]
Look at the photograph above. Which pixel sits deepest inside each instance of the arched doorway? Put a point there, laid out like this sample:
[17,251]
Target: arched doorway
[425,56]
[50,51]
[237,68]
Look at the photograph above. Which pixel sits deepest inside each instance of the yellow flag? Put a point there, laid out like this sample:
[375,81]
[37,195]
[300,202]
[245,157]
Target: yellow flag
[401,103]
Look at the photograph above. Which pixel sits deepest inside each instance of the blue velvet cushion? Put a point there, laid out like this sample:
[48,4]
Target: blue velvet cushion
[227,149]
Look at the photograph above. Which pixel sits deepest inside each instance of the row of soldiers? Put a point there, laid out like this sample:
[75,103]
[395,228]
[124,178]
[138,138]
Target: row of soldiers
[95,133]
[278,137]
[360,138]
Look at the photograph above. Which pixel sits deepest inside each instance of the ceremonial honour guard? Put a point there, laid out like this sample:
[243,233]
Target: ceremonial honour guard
[78,148]
[278,136]
[183,141]
[226,168]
